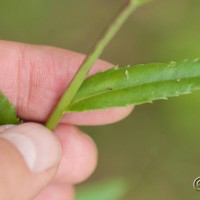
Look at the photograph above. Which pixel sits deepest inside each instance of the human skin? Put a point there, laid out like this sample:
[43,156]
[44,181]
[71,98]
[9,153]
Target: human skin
[34,78]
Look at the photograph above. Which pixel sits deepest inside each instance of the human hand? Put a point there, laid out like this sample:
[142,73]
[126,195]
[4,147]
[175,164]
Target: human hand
[34,78]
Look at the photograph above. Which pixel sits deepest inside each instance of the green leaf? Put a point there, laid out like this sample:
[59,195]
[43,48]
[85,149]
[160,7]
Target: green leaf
[7,112]
[109,190]
[137,85]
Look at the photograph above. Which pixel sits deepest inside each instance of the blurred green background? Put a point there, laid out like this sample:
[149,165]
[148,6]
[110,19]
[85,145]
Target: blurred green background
[157,147]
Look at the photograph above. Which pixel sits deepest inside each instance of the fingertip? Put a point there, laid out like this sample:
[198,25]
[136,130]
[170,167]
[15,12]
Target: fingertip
[34,142]
[25,160]
[79,155]
[57,192]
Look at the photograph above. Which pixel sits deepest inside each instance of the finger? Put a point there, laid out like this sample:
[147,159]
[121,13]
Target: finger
[26,166]
[97,117]
[56,192]
[35,77]
[79,155]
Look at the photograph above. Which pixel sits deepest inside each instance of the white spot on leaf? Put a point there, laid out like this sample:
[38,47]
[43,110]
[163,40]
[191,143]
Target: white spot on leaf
[127,74]
[172,63]
[116,67]
[195,60]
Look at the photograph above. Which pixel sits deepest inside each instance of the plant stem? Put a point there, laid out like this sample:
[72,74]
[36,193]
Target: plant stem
[87,64]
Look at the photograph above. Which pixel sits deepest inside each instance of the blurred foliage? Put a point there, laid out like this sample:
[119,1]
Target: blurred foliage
[106,190]
[156,147]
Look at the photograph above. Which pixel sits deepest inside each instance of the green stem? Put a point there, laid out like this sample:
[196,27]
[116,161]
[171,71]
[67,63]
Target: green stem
[88,63]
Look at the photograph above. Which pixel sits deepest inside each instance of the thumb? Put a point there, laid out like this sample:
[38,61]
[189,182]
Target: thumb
[29,157]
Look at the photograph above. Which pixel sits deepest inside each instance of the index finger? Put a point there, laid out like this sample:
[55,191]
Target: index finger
[35,77]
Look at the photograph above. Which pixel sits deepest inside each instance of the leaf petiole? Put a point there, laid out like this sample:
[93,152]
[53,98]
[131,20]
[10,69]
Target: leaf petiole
[87,64]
